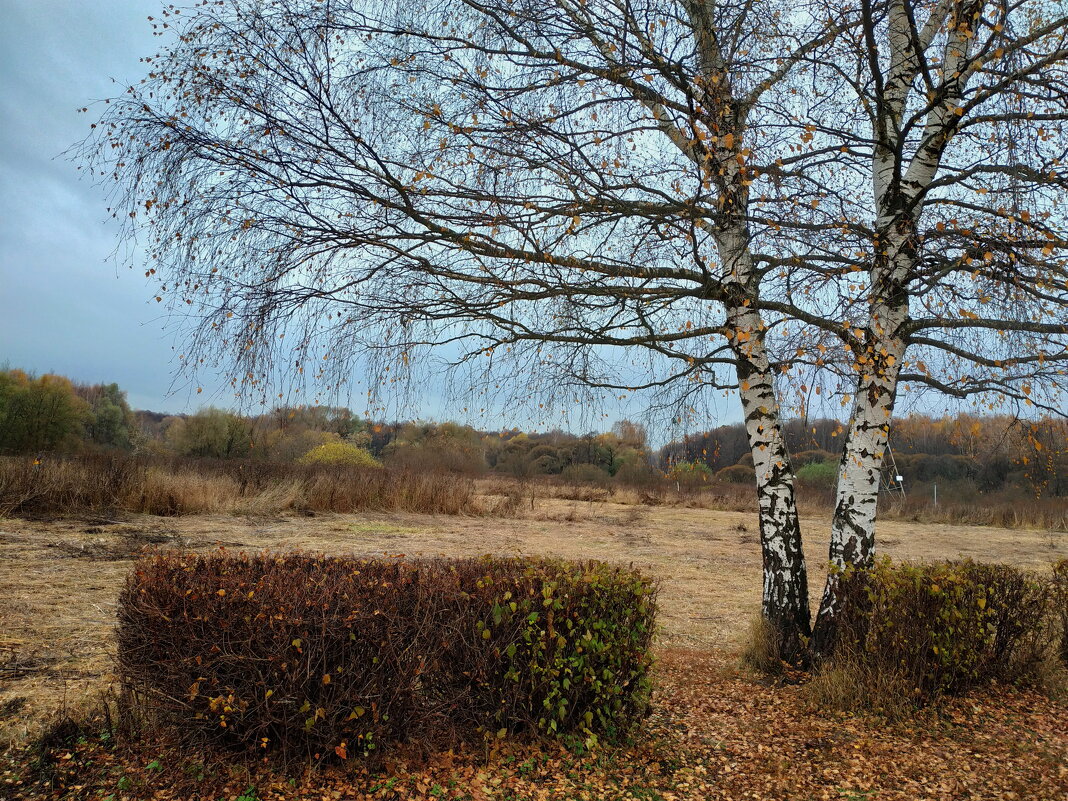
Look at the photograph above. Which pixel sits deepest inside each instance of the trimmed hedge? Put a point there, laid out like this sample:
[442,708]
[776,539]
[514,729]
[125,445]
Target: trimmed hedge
[316,654]
[941,628]
[1060,604]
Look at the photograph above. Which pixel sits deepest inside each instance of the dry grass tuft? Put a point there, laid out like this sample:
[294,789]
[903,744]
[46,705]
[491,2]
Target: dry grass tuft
[1004,510]
[168,492]
[286,495]
[848,684]
[761,650]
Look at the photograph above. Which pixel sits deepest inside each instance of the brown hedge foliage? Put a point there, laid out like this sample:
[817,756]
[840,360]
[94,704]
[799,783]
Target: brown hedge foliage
[323,655]
[941,628]
[1060,604]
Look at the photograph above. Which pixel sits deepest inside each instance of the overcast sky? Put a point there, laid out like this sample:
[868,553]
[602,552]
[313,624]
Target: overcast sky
[66,307]
[68,304]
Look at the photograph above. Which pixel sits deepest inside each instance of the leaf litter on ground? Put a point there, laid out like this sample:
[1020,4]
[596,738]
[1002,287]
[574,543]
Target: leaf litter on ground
[715,732]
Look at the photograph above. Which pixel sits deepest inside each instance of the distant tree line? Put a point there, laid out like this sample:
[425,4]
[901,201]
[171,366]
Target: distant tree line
[50,414]
[328,433]
[986,453]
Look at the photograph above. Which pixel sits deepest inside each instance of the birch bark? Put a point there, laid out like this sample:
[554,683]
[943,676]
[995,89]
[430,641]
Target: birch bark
[785,602]
[899,184]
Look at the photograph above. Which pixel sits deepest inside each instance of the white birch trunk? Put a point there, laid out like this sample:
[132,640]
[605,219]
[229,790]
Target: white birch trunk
[898,184]
[785,589]
[785,592]
[857,495]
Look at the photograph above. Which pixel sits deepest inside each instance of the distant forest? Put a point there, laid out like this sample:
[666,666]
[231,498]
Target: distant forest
[50,414]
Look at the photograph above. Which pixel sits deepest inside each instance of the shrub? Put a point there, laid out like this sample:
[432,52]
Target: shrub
[557,648]
[634,470]
[315,654]
[801,458]
[818,474]
[585,474]
[933,629]
[445,447]
[291,443]
[1060,604]
[690,475]
[946,467]
[736,474]
[993,473]
[339,453]
[214,433]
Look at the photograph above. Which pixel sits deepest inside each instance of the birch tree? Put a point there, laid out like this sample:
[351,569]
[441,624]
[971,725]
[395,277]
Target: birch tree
[544,189]
[958,123]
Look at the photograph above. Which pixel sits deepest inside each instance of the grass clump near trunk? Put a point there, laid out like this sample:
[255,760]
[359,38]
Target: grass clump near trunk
[317,656]
[910,634]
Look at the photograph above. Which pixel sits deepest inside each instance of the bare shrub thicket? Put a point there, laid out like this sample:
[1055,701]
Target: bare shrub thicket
[177,486]
[1060,604]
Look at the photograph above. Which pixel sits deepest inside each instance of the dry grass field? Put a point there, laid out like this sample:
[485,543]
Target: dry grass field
[716,731]
[59,578]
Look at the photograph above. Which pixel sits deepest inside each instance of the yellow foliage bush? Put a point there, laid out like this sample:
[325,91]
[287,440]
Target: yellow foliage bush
[340,453]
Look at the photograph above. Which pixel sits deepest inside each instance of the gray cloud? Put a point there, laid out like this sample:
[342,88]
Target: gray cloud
[65,304]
